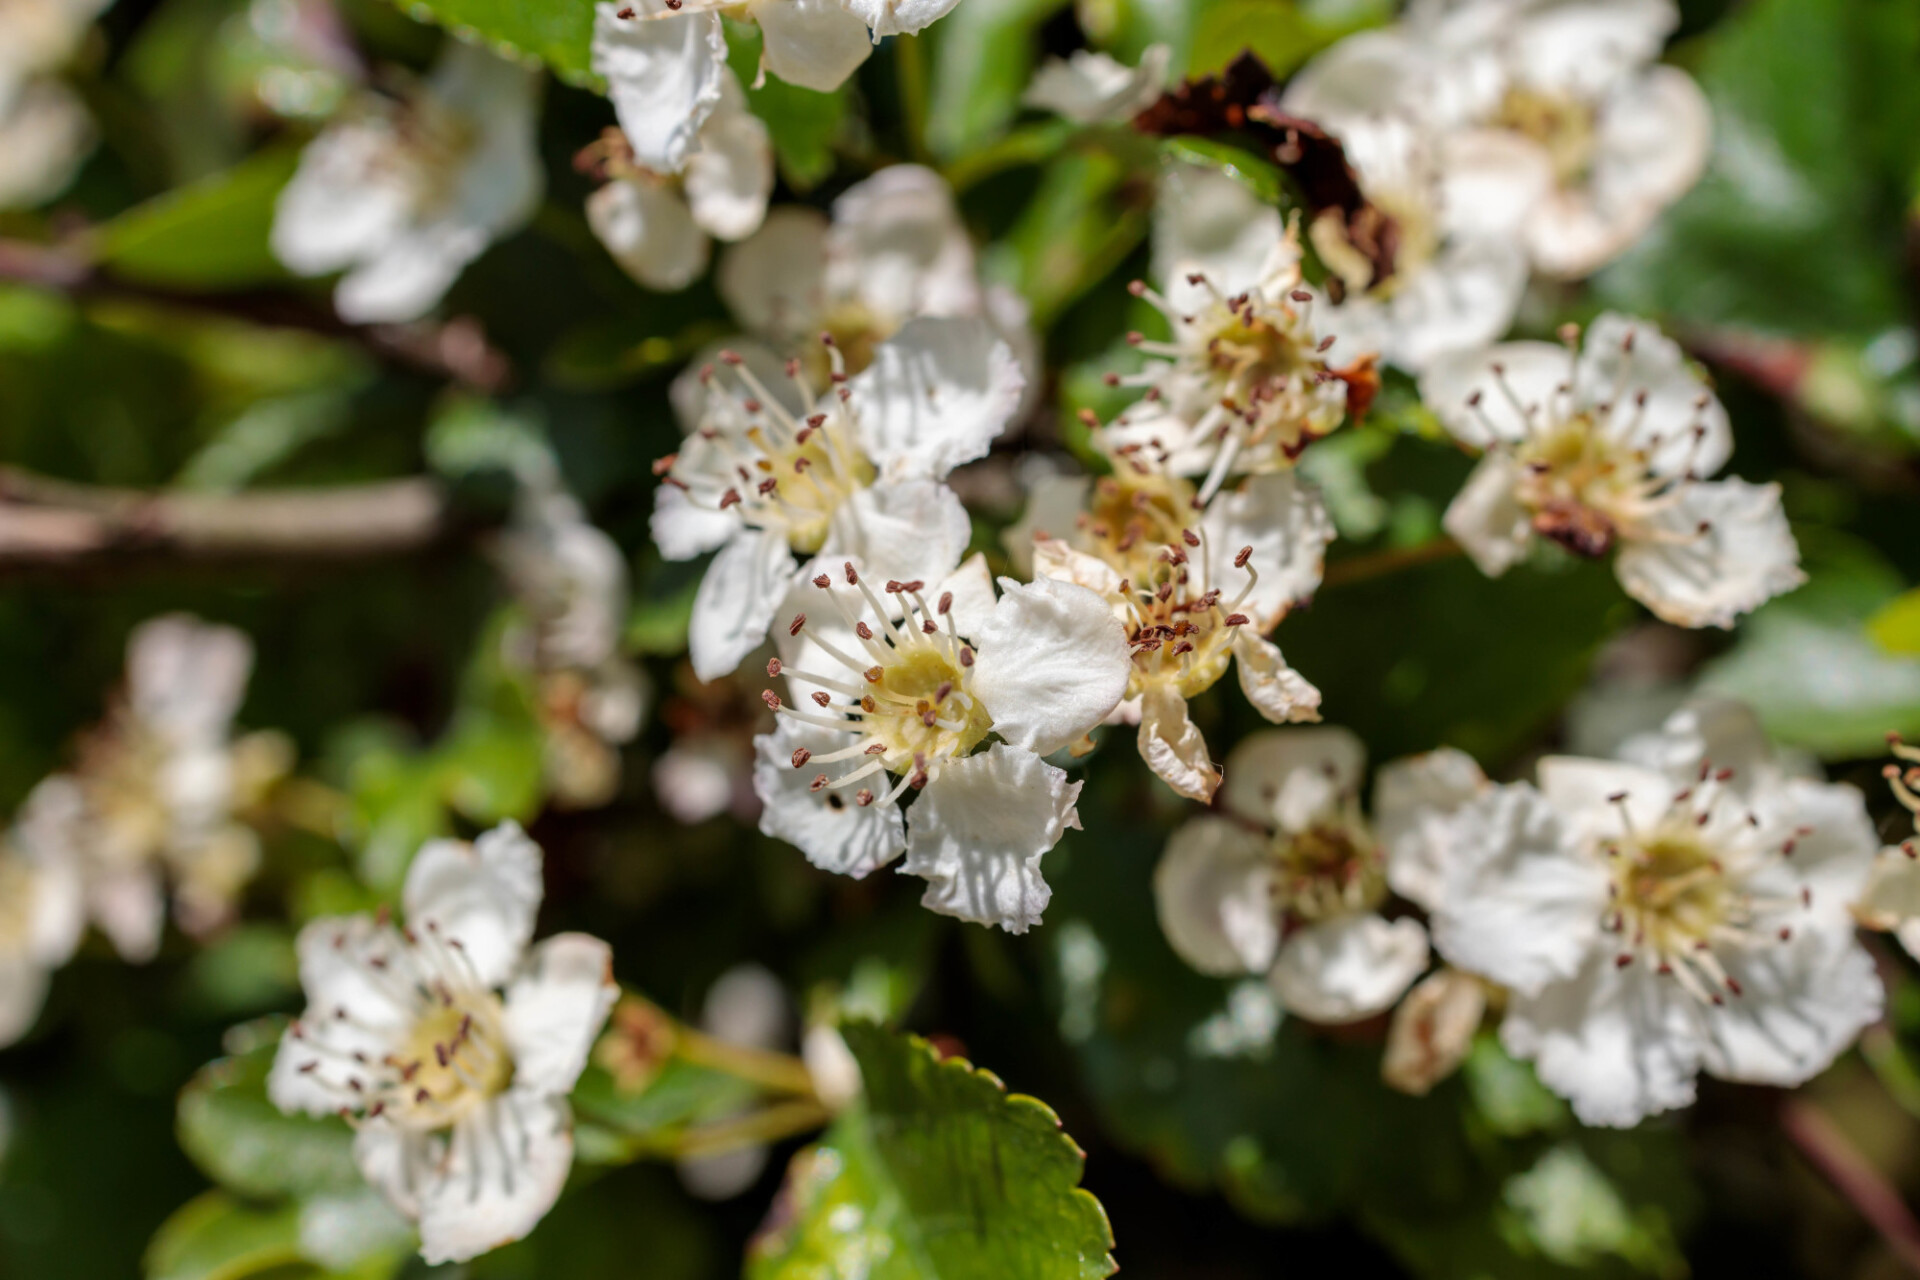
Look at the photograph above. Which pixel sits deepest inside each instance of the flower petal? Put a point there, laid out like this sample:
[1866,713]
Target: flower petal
[1432,1031]
[730,175]
[1721,549]
[773,281]
[1213,889]
[1284,779]
[899,17]
[935,396]
[903,529]
[1800,1005]
[1205,221]
[1053,663]
[898,246]
[1413,800]
[664,74]
[1283,519]
[1349,968]
[1582,47]
[484,895]
[1519,905]
[1090,88]
[1484,397]
[815,44]
[1277,691]
[554,1009]
[408,275]
[1682,425]
[651,233]
[186,678]
[1172,745]
[979,830]
[737,600]
[344,202]
[505,1165]
[1487,519]
[833,831]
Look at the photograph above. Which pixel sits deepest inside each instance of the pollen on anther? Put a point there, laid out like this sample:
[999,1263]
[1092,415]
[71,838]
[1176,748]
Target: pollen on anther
[771,698]
[799,621]
[773,667]
[823,582]
[1240,561]
[820,699]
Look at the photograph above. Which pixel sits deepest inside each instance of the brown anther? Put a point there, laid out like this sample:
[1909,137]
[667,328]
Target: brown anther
[853,579]
[820,699]
[799,621]
[863,797]
[1238,620]
[940,694]
[946,603]
[862,630]
[773,667]
[927,627]
[966,656]
[873,674]
[819,782]
[822,581]
[731,358]
[729,498]
[771,698]
[1137,287]
[1240,561]
[663,465]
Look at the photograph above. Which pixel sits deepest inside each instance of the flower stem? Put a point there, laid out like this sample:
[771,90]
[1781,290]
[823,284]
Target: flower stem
[1379,564]
[1850,1173]
[780,1072]
[910,72]
[771,1124]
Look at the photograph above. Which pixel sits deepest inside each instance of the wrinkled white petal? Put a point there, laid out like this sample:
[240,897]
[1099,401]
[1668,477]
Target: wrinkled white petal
[343,202]
[1413,800]
[554,1009]
[1519,906]
[1278,692]
[736,601]
[1489,182]
[407,275]
[650,232]
[1800,1005]
[1485,396]
[1682,425]
[899,17]
[1581,47]
[506,1163]
[1208,222]
[897,244]
[1214,890]
[978,832]
[903,530]
[1173,746]
[773,281]
[1091,88]
[1053,662]
[664,74]
[1283,519]
[1891,895]
[935,396]
[815,44]
[484,895]
[1287,779]
[1723,548]
[835,833]
[1053,508]
[1706,727]
[730,176]
[186,678]
[1349,968]
[1487,518]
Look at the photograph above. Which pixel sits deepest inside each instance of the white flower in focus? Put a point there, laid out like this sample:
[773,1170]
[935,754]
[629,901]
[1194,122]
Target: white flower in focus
[1242,385]
[42,901]
[898,692]
[450,1044]
[1606,446]
[772,471]
[1091,88]
[402,196]
[1196,590]
[1652,923]
[1574,80]
[666,64]
[656,225]
[1458,202]
[571,579]
[1291,884]
[894,249]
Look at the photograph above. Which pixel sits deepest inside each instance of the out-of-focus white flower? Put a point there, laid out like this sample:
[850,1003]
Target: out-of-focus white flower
[1458,202]
[656,225]
[451,1044]
[1092,88]
[402,196]
[1196,588]
[1891,899]
[159,783]
[42,900]
[572,580]
[894,249]
[1432,1031]
[770,471]
[1606,444]
[665,62]
[1666,916]
[1291,884]
[1242,385]
[45,131]
[895,692]
[1574,80]
[746,1006]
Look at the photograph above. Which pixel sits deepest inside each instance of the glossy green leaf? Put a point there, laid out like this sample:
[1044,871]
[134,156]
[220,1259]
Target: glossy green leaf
[982,61]
[1081,224]
[216,1237]
[245,1143]
[804,124]
[556,32]
[211,234]
[939,1174]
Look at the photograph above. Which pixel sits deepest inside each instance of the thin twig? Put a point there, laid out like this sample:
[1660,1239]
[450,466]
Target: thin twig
[53,524]
[778,1071]
[1861,1185]
[1379,564]
[456,349]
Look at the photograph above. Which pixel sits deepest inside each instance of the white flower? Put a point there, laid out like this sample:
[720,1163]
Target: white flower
[1573,79]
[1242,385]
[1653,923]
[894,249]
[656,225]
[38,36]
[666,65]
[1458,202]
[572,581]
[450,1043]
[767,474]
[1891,899]
[1296,894]
[1092,88]
[1196,591]
[899,692]
[1607,445]
[45,132]
[42,902]
[403,198]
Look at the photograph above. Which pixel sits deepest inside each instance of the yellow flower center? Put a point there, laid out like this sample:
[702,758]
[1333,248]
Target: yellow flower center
[1333,868]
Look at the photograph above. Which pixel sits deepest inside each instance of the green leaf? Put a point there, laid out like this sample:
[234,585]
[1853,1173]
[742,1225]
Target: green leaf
[1259,174]
[1896,627]
[211,234]
[803,124]
[556,32]
[242,1141]
[1793,228]
[214,1237]
[619,1124]
[1080,225]
[938,1173]
[982,62]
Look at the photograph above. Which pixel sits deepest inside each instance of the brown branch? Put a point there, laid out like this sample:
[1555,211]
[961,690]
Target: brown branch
[457,349]
[1829,1151]
[54,525]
